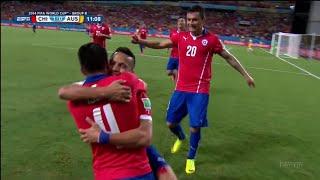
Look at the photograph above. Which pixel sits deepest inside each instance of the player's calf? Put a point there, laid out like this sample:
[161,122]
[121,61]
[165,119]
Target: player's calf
[176,130]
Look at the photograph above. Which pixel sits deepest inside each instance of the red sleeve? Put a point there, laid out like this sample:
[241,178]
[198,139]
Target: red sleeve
[171,33]
[92,28]
[139,87]
[217,45]
[106,30]
[174,38]
[144,106]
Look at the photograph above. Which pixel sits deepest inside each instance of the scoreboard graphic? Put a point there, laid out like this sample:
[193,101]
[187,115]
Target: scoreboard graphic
[58,17]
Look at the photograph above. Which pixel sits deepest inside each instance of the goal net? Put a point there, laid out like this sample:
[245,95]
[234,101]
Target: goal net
[295,45]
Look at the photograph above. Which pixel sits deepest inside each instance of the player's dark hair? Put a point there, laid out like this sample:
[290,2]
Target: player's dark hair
[92,57]
[125,51]
[198,9]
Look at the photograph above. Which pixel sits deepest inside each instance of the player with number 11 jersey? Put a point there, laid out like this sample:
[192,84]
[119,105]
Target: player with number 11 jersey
[109,161]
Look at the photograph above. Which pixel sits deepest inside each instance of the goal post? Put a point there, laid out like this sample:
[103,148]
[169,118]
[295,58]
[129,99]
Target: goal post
[285,44]
[295,45]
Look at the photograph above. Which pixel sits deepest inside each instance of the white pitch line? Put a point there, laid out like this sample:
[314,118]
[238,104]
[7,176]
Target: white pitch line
[275,70]
[163,57]
[299,68]
[155,56]
[309,73]
[50,46]
[228,49]
[265,50]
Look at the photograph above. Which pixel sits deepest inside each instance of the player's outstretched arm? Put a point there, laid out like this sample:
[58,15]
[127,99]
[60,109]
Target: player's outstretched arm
[152,44]
[134,138]
[237,65]
[116,91]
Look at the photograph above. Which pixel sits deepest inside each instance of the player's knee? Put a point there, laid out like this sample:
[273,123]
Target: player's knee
[194,129]
[171,125]
[169,72]
[175,71]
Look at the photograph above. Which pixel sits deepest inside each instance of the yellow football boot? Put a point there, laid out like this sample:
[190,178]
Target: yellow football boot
[190,166]
[176,146]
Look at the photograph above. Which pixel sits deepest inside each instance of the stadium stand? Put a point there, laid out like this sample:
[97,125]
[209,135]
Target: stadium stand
[234,24]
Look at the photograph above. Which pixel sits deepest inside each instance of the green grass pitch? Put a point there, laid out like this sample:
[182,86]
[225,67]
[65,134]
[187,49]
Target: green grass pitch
[270,132]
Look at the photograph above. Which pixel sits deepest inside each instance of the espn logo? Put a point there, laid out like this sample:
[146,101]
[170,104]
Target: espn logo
[23,19]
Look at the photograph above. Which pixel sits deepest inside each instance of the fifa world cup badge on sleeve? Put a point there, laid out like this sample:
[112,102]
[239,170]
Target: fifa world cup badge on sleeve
[146,103]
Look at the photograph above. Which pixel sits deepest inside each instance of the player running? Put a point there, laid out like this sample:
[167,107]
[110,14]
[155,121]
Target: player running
[173,62]
[191,96]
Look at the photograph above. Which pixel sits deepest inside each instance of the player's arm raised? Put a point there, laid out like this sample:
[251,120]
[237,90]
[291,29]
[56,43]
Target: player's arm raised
[114,92]
[152,44]
[237,65]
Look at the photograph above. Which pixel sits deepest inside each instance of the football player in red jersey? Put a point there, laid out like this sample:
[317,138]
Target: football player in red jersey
[191,96]
[99,33]
[121,61]
[110,160]
[173,62]
[142,32]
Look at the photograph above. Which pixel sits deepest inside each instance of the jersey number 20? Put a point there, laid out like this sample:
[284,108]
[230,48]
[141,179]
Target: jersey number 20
[191,51]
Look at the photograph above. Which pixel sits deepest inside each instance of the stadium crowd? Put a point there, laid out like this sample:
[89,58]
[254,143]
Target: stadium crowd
[229,23]
[257,4]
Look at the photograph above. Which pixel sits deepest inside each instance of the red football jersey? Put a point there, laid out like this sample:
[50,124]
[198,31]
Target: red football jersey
[195,57]
[174,50]
[109,161]
[104,29]
[143,33]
